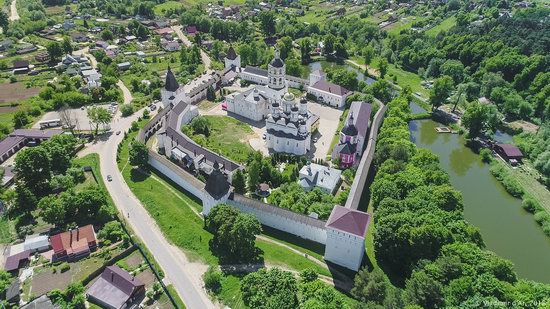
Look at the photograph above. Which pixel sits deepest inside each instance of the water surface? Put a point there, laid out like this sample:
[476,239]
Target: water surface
[506,228]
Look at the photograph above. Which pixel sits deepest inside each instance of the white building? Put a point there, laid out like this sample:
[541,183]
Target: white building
[316,175]
[327,92]
[346,229]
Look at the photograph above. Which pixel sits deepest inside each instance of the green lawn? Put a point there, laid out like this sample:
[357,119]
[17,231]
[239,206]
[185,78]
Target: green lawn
[404,78]
[445,25]
[161,8]
[228,136]
[396,27]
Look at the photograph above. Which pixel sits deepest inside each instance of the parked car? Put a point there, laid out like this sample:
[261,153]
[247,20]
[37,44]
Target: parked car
[153,107]
[109,178]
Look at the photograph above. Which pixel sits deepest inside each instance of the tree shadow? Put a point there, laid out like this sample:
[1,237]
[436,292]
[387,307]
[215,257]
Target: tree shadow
[236,261]
[138,175]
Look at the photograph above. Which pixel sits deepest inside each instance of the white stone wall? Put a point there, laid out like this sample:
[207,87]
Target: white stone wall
[200,194]
[261,80]
[284,224]
[344,249]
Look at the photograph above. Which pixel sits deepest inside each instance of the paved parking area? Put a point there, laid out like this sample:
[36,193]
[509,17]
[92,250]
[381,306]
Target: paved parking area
[328,124]
[79,116]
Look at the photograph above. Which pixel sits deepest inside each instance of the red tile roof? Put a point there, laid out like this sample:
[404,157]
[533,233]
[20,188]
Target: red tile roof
[74,241]
[349,221]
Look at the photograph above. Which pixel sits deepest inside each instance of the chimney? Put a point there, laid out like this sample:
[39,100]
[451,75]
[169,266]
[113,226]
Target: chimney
[71,238]
[77,234]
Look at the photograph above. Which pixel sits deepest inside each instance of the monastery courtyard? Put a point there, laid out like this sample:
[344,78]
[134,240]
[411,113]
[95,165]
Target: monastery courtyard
[328,125]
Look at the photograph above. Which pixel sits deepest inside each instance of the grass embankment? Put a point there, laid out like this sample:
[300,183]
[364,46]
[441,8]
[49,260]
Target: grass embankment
[228,137]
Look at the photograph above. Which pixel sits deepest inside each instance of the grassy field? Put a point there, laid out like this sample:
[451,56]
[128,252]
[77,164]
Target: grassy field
[161,8]
[228,136]
[402,24]
[404,78]
[445,25]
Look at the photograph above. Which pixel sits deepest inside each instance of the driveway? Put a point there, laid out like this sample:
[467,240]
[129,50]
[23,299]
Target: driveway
[13,11]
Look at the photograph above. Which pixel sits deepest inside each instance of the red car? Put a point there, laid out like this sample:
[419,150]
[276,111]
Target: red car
[224,106]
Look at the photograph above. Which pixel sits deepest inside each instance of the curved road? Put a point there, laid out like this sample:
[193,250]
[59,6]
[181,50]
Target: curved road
[183,275]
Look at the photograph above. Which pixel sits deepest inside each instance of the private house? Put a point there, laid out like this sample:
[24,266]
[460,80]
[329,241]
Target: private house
[163,31]
[20,137]
[92,78]
[346,229]
[16,261]
[79,37]
[170,46]
[115,289]
[25,49]
[124,66]
[73,244]
[509,152]
[12,295]
[42,57]
[191,30]
[21,67]
[314,175]
[353,135]
[42,302]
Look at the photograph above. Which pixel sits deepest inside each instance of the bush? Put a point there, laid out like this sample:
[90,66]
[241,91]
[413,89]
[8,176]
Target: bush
[126,110]
[541,217]
[64,267]
[546,228]
[308,275]
[531,205]
[212,280]
[486,155]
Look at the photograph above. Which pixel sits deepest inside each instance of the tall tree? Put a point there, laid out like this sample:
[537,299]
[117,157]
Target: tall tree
[305,50]
[370,286]
[383,67]
[4,21]
[239,182]
[139,154]
[67,45]
[99,116]
[267,22]
[253,176]
[55,50]
[272,288]
[441,90]
[34,168]
[368,54]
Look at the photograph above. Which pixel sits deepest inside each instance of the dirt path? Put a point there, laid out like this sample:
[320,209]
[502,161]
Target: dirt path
[125,92]
[372,71]
[204,56]
[13,11]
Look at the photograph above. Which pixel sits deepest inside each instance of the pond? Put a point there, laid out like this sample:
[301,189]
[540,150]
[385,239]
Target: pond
[326,65]
[507,229]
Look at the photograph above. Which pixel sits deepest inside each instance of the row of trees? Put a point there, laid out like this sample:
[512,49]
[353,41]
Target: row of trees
[421,234]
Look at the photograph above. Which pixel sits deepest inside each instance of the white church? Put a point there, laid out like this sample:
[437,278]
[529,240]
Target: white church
[288,122]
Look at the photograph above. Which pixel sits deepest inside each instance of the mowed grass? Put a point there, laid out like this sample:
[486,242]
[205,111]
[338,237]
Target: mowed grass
[163,7]
[228,137]
[404,78]
[445,25]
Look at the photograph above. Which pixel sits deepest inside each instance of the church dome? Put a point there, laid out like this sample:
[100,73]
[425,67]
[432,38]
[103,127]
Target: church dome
[231,54]
[288,96]
[277,63]
[350,130]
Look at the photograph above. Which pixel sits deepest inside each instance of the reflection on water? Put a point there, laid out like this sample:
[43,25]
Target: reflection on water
[502,137]
[506,228]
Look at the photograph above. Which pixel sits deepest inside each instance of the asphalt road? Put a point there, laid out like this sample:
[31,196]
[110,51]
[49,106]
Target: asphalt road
[178,270]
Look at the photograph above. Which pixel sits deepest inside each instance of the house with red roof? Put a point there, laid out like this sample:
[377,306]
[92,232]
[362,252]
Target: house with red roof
[346,229]
[73,244]
[353,136]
